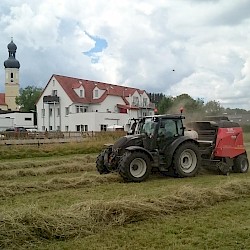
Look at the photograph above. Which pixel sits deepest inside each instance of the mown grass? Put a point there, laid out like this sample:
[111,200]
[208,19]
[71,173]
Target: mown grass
[61,202]
[224,226]
[87,218]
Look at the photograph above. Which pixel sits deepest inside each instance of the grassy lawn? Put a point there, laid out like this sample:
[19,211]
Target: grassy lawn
[61,202]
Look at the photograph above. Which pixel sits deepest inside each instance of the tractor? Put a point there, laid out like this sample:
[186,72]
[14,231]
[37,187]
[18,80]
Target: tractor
[162,143]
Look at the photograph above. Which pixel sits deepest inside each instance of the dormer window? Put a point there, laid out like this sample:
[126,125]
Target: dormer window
[80,91]
[96,93]
[135,101]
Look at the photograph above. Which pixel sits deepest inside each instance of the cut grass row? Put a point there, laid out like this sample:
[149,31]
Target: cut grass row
[46,162]
[33,226]
[57,183]
[68,168]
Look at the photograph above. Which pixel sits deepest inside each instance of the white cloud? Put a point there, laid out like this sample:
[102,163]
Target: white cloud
[206,43]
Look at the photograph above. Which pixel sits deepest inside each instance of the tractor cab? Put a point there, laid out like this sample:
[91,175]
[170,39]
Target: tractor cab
[160,131]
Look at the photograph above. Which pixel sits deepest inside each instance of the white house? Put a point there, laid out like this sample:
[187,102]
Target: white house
[73,104]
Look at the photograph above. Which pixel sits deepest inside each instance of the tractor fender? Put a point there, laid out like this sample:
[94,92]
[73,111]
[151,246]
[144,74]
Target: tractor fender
[138,148]
[170,150]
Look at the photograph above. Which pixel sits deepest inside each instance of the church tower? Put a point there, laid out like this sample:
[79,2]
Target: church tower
[11,77]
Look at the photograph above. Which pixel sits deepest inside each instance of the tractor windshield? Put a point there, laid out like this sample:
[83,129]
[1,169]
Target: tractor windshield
[148,126]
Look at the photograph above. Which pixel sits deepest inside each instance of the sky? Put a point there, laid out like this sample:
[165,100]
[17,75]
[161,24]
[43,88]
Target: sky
[196,47]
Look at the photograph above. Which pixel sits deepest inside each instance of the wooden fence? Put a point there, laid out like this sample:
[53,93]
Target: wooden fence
[17,138]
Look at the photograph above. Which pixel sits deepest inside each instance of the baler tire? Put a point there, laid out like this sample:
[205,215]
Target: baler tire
[101,168]
[134,166]
[186,160]
[241,164]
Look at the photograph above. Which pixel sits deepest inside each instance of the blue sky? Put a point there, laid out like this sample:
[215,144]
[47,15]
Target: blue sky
[100,45]
[134,43]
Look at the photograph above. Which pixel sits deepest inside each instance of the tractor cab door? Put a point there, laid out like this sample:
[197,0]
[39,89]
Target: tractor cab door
[168,131]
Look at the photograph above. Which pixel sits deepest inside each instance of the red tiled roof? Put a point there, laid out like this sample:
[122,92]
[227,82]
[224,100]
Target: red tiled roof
[2,99]
[71,83]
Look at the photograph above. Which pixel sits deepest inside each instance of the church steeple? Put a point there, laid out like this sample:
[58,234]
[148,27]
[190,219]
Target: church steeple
[11,62]
[12,66]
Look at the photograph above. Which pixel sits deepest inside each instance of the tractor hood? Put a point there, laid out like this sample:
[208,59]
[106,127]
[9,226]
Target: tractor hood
[128,140]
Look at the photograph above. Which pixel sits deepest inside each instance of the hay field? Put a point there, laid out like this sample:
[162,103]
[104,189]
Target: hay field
[61,202]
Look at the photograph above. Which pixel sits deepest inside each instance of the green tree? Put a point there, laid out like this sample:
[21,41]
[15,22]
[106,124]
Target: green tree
[28,98]
[189,104]
[165,104]
[213,108]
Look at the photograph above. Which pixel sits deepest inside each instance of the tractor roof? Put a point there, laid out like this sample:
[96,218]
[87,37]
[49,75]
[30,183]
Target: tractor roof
[166,116]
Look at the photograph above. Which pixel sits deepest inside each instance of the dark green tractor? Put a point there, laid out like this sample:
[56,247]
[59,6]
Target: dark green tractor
[156,142]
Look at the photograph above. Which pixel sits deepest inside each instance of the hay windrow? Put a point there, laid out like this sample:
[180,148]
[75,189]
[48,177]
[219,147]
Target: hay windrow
[86,180]
[31,164]
[82,219]
[60,169]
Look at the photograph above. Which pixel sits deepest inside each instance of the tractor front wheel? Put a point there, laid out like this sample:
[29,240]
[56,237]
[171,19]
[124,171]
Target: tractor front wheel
[186,160]
[134,166]
[241,164]
[101,168]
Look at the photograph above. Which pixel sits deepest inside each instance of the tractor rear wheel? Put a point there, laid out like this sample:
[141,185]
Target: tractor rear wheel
[134,166]
[241,164]
[102,169]
[186,160]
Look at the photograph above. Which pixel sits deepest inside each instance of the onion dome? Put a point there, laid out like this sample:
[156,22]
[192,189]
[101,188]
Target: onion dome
[12,62]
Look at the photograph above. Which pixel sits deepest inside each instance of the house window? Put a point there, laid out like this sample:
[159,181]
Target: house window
[78,128]
[67,128]
[50,112]
[54,92]
[79,109]
[50,128]
[96,93]
[135,101]
[53,82]
[66,110]
[43,112]
[85,110]
[84,128]
[103,127]
[81,128]
[27,119]
[58,112]
[11,75]
[81,93]
[145,102]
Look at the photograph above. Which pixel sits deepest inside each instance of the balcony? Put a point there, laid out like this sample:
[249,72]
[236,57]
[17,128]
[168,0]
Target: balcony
[51,99]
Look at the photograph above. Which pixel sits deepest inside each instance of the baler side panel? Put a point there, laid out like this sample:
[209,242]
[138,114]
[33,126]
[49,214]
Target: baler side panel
[229,142]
